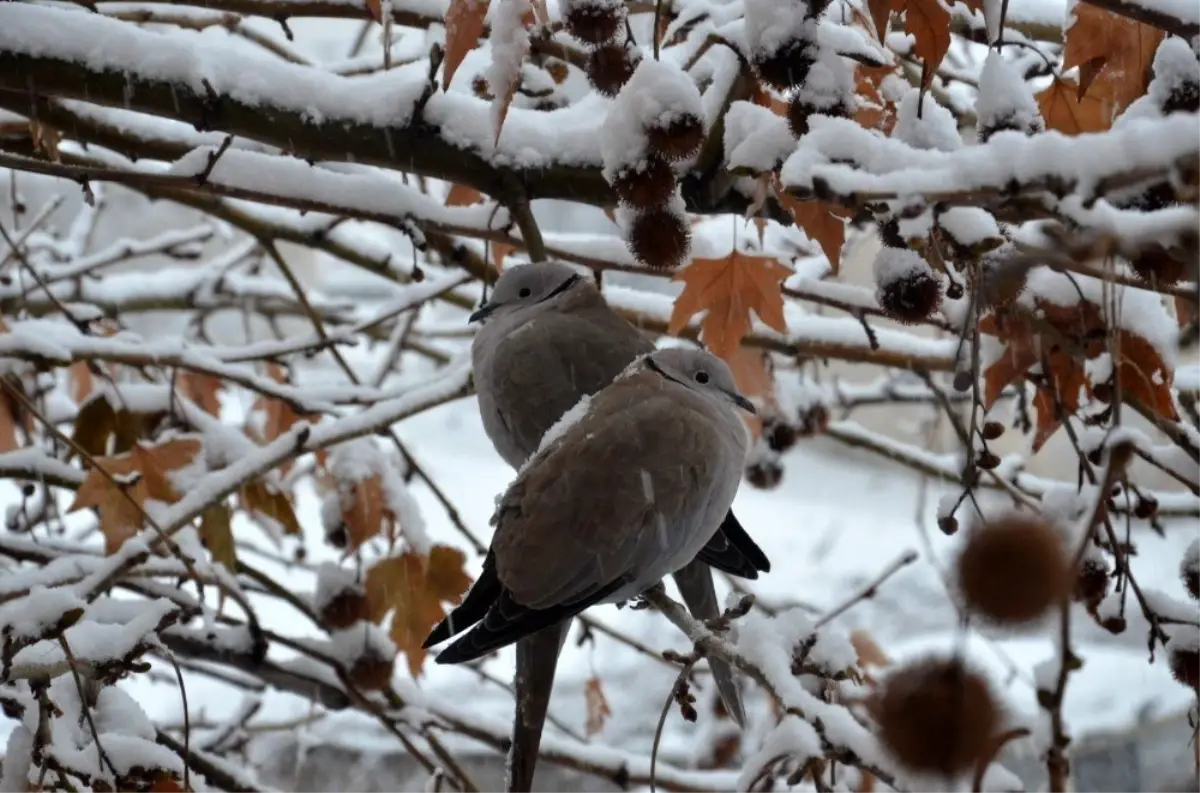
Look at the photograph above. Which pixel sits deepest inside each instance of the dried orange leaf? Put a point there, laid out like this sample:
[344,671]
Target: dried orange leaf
[1114,53]
[259,499]
[751,369]
[881,14]
[363,515]
[414,587]
[729,289]
[464,26]
[8,425]
[201,389]
[461,195]
[822,223]
[216,533]
[1063,110]
[598,710]
[139,475]
[929,24]
[81,382]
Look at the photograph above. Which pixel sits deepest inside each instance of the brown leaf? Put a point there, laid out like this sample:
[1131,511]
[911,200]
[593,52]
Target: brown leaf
[598,710]
[464,26]
[216,533]
[1143,375]
[822,223]
[414,587]
[881,15]
[8,424]
[502,98]
[258,498]
[94,425]
[142,475]
[81,382]
[45,139]
[1114,53]
[873,110]
[751,369]
[1185,310]
[202,389]
[929,24]
[363,517]
[729,289]
[1062,110]
[461,195]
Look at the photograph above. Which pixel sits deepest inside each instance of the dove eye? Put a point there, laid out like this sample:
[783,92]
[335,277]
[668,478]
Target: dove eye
[526,292]
[701,377]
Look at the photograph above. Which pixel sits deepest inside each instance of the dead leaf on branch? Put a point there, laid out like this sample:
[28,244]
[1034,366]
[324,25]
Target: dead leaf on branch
[928,22]
[598,710]
[1140,373]
[201,389]
[414,588]
[461,195]
[729,289]
[1114,53]
[216,533]
[98,423]
[874,110]
[464,26]
[363,513]
[262,500]
[751,367]
[80,381]
[823,223]
[1063,110]
[277,416]
[142,474]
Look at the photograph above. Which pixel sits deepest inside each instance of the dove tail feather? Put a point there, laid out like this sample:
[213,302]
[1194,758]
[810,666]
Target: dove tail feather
[474,607]
[722,555]
[537,660]
[507,621]
[696,586]
[738,538]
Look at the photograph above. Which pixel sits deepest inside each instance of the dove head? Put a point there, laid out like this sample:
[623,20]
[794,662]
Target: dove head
[699,371]
[543,283]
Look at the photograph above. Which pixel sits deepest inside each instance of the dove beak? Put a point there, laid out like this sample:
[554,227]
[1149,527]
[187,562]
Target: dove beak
[742,402]
[483,312]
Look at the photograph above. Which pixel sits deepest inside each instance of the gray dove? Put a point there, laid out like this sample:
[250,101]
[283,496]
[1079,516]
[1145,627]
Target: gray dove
[627,494]
[550,339]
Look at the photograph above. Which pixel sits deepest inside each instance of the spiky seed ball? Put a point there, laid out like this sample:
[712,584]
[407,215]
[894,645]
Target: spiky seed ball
[1189,569]
[780,435]
[765,474]
[937,716]
[344,609]
[1184,99]
[648,184]
[1184,648]
[1012,570]
[1001,277]
[371,672]
[1091,582]
[992,430]
[595,21]
[1157,267]
[813,421]
[948,525]
[797,117]
[787,66]
[905,285]
[1146,506]
[659,238]
[987,460]
[610,66]
[677,139]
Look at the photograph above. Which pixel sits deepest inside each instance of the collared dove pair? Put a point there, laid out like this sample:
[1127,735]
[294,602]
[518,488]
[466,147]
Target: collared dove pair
[637,488]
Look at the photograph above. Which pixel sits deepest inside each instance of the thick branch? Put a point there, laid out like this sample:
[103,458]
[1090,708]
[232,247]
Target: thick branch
[1187,27]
